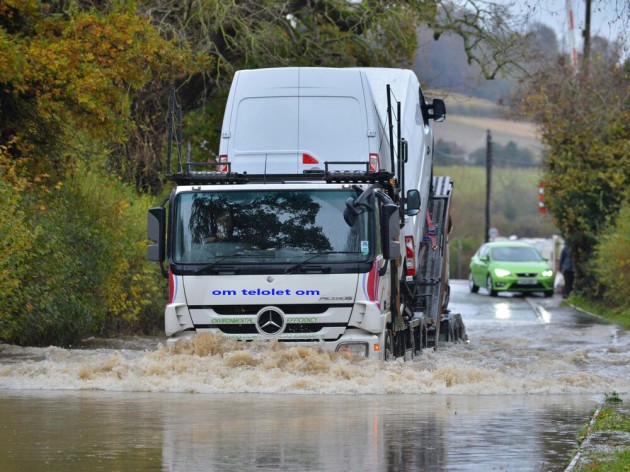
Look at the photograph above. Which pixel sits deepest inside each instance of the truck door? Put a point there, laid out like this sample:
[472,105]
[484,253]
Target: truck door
[382,273]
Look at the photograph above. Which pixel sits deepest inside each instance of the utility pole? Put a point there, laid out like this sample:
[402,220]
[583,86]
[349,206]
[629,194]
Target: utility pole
[488,183]
[586,33]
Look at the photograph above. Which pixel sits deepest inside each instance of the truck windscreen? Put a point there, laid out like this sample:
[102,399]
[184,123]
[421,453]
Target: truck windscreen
[267,226]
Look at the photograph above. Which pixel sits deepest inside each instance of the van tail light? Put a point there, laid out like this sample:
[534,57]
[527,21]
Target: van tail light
[223,158]
[308,159]
[373,162]
[411,250]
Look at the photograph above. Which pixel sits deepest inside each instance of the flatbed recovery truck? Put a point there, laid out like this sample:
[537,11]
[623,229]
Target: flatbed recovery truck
[330,238]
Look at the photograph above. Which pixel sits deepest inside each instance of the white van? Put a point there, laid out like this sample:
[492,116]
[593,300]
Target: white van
[293,120]
[417,132]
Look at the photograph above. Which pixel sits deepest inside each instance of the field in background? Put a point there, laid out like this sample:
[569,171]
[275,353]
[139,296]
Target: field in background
[468,120]
[513,209]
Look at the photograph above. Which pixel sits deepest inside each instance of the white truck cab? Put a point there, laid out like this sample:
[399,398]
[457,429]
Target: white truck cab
[278,260]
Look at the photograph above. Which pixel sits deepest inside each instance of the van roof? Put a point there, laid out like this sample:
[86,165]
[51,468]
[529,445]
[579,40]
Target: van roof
[300,81]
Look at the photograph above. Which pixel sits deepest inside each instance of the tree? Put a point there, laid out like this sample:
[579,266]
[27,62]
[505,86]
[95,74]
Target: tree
[74,70]
[74,251]
[508,156]
[254,34]
[585,124]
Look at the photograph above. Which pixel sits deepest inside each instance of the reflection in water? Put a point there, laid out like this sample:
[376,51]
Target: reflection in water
[502,311]
[183,432]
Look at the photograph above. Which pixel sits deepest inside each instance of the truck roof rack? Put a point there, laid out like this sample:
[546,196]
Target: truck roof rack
[189,176]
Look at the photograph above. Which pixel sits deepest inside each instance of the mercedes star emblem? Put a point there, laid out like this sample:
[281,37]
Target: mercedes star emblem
[270,321]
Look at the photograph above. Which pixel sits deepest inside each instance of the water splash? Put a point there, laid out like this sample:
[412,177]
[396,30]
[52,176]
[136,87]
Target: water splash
[210,363]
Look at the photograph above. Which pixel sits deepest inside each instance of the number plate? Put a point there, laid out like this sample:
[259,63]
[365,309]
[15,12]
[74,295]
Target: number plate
[528,281]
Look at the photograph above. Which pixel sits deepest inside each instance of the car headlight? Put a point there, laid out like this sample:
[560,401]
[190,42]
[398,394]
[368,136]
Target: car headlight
[547,273]
[501,272]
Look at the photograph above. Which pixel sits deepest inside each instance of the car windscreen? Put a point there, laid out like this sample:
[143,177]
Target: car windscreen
[264,226]
[515,254]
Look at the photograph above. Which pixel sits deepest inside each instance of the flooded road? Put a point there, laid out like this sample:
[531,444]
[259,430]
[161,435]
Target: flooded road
[514,398]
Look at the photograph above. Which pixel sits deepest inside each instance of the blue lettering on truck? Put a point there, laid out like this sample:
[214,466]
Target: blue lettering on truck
[272,291]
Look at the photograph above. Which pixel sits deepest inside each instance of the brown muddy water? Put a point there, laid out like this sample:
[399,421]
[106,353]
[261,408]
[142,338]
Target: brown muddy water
[514,398]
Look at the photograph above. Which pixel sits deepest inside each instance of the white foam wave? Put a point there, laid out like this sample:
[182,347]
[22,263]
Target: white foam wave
[211,364]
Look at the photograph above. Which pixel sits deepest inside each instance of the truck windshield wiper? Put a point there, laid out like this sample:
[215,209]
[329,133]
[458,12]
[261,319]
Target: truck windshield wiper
[308,259]
[230,256]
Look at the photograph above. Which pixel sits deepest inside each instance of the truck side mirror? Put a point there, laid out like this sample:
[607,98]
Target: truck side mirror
[413,202]
[438,110]
[156,231]
[391,226]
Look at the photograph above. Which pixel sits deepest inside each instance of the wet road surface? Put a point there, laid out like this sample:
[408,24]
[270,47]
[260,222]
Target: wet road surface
[514,398]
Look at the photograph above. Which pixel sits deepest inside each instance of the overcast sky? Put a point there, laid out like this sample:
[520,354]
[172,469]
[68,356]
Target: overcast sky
[609,18]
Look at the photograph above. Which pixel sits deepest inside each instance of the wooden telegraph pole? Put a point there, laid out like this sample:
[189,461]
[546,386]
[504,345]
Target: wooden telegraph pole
[488,183]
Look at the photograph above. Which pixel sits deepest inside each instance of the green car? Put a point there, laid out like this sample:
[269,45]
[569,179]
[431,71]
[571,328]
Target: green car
[510,266]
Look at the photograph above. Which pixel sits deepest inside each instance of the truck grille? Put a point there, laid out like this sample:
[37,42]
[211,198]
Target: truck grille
[232,310]
[291,329]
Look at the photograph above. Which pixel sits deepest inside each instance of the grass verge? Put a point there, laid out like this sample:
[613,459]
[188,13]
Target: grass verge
[614,315]
[605,442]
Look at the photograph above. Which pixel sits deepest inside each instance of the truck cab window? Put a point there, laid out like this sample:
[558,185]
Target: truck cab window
[267,226]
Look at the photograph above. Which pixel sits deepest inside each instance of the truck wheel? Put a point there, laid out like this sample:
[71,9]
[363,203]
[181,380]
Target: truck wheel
[471,285]
[410,345]
[447,298]
[388,349]
[418,340]
[491,291]
[460,330]
[446,331]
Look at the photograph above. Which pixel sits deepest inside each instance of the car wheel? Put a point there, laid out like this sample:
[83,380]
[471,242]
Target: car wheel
[491,291]
[471,285]
[548,293]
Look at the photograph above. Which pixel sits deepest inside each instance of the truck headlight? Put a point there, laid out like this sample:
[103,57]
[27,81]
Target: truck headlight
[501,272]
[547,273]
[354,349]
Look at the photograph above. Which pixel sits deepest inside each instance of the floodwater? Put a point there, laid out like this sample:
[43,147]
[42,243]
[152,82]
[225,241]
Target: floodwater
[514,398]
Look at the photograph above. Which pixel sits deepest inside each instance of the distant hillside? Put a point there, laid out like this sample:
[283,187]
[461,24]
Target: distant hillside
[468,120]
[443,64]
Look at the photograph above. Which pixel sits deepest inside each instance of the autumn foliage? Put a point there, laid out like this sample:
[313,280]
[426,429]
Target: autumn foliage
[585,124]
[72,239]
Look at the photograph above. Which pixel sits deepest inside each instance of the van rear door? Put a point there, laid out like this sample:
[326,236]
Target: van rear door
[333,120]
[261,135]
